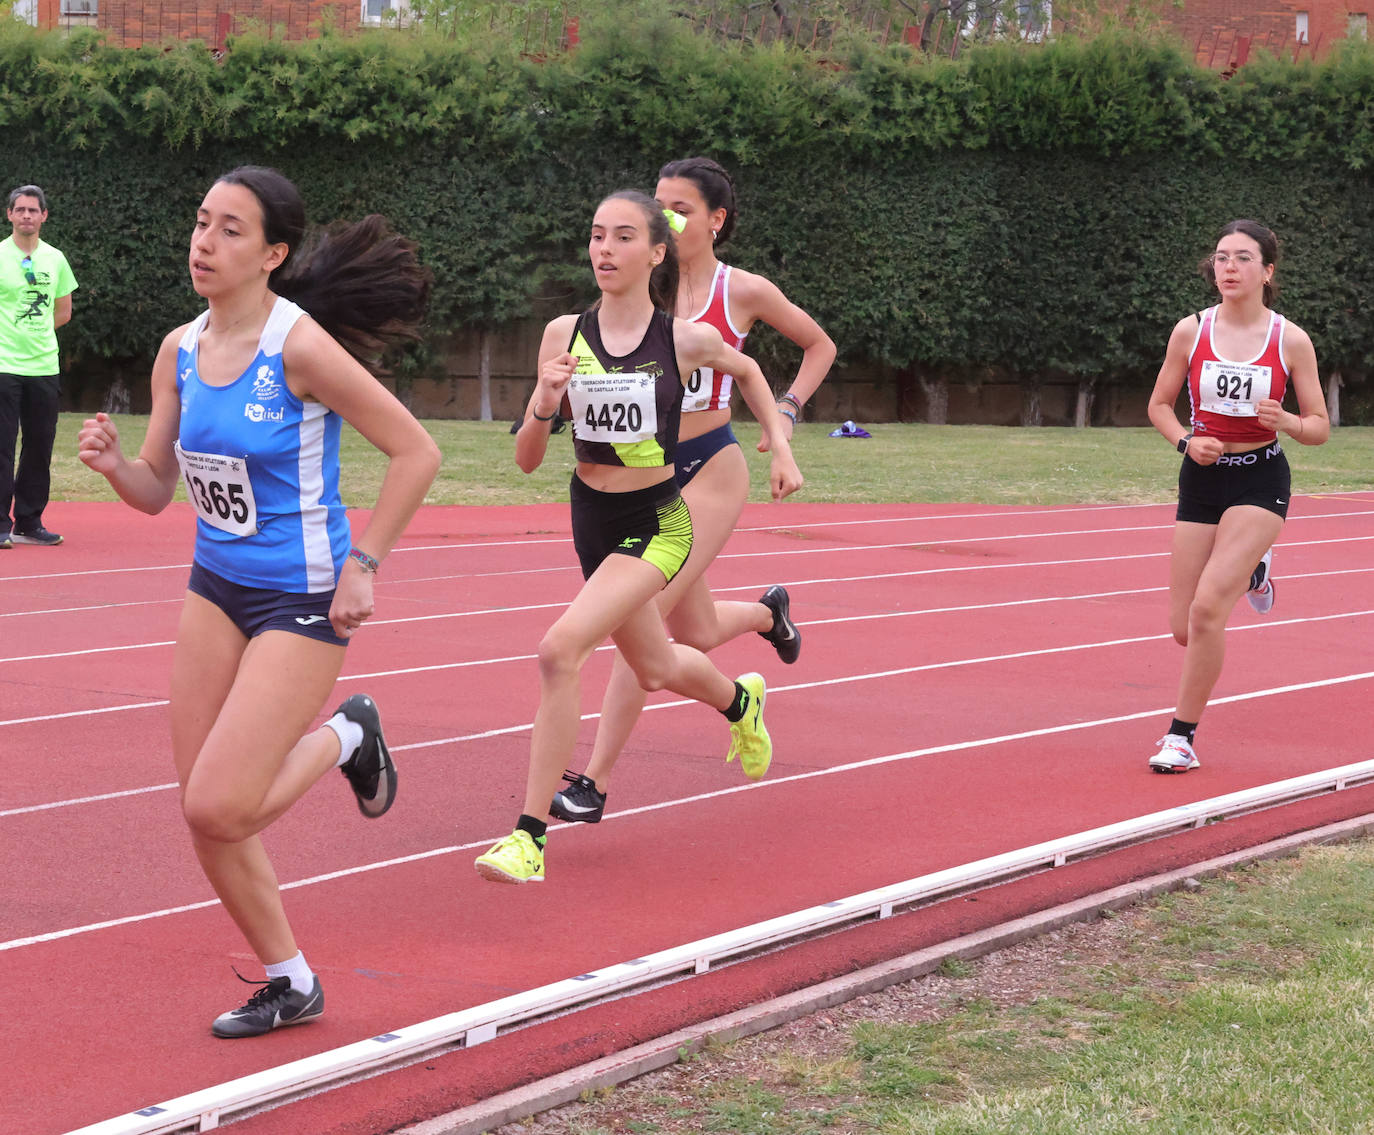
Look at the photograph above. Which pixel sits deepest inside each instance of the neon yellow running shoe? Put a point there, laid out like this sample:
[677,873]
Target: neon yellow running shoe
[749,738]
[515,859]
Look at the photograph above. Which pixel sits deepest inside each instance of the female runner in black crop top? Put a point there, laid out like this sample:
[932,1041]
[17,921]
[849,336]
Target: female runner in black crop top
[630,527]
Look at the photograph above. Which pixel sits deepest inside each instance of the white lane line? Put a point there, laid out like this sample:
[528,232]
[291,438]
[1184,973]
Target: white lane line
[849,679]
[754,587]
[91,607]
[84,712]
[563,538]
[853,766]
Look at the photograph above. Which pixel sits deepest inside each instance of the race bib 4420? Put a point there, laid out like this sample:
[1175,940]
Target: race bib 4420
[617,408]
[220,490]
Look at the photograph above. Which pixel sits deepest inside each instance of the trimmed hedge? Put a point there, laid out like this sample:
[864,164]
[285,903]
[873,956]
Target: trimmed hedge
[1036,209]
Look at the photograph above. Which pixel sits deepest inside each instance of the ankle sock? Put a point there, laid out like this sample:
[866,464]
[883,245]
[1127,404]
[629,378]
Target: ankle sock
[350,735]
[536,828]
[739,707]
[1183,728]
[302,979]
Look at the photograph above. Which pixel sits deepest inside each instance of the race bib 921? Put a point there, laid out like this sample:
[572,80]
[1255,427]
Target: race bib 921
[220,490]
[1233,389]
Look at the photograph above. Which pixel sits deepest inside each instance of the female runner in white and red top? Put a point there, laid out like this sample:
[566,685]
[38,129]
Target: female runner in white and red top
[1238,359]
[711,467]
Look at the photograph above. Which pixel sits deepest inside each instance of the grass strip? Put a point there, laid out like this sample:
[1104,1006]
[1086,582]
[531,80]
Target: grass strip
[899,463]
[1240,1008]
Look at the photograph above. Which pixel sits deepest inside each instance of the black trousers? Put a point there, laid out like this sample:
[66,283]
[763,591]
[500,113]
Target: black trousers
[28,406]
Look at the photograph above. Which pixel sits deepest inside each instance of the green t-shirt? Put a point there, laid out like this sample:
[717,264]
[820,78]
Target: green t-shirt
[28,340]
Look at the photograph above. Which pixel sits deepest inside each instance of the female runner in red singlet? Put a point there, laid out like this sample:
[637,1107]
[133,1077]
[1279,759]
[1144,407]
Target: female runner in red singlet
[1233,488]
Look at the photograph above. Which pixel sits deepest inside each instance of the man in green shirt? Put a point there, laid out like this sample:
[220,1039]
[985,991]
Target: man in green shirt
[36,285]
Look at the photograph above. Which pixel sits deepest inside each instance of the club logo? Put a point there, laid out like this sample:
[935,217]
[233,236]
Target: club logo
[265,385]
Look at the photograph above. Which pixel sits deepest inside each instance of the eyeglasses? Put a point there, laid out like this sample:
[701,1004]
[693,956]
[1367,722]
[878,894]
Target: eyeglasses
[1240,259]
[27,265]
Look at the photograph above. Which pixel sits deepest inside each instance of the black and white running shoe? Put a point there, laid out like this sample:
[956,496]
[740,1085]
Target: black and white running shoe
[273,1006]
[580,802]
[1262,590]
[370,771]
[784,636]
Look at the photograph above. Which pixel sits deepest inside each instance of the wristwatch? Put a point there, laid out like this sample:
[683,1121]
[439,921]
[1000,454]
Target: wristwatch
[1183,443]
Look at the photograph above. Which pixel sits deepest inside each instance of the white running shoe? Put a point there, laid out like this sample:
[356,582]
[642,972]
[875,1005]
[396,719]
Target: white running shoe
[1175,755]
[1261,593]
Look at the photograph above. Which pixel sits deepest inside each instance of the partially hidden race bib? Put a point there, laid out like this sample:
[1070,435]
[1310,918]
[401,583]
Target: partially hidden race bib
[697,391]
[220,490]
[615,408]
[1233,389]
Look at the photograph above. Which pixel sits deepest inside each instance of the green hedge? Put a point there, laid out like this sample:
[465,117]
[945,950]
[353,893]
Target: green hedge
[1039,210]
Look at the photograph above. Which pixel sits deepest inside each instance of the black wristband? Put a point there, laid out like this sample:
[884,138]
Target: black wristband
[537,418]
[1183,443]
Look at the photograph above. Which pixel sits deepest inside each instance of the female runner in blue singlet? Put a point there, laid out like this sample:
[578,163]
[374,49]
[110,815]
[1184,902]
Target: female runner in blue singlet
[711,468]
[621,368]
[247,404]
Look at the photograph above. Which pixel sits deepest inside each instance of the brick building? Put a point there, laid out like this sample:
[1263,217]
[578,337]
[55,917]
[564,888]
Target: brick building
[132,23]
[1222,33]
[1219,33]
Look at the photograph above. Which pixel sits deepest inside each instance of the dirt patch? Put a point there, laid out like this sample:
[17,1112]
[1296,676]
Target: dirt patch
[792,1063]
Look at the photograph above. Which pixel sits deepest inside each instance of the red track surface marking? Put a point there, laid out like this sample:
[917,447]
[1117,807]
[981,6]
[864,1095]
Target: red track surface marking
[1060,622]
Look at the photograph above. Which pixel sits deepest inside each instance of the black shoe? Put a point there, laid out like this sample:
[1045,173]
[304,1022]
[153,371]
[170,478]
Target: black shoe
[370,771]
[580,802]
[39,535]
[784,636]
[273,1006]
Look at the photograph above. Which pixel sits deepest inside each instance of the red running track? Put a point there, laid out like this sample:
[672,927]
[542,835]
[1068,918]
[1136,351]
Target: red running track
[973,680]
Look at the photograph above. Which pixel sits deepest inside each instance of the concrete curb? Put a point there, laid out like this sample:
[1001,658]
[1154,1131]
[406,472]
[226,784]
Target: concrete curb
[521,1103]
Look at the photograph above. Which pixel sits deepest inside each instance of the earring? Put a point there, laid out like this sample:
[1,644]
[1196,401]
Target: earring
[714,233]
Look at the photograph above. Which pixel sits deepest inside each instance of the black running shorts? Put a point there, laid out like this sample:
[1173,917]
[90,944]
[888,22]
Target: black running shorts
[650,524]
[1258,477]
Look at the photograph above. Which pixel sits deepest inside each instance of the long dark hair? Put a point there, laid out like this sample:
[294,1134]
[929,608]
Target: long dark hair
[664,278]
[1269,254]
[716,186]
[362,282]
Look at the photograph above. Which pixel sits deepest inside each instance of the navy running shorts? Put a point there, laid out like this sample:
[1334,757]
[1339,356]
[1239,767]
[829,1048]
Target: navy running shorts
[254,610]
[1258,477]
[691,455]
[651,524]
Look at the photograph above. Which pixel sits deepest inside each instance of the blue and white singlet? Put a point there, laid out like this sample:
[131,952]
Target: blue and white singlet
[262,469]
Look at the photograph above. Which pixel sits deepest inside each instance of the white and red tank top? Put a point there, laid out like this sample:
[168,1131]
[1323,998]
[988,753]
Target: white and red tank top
[1225,393]
[708,389]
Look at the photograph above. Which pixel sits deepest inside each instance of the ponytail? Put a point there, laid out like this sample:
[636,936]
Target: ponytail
[361,282]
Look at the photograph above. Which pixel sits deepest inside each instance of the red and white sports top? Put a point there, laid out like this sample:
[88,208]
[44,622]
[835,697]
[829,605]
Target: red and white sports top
[1225,393]
[708,389]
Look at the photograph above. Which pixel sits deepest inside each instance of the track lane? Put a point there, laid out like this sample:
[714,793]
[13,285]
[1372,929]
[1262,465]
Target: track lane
[429,926]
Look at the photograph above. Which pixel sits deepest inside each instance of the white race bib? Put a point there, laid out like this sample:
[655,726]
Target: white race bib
[220,490]
[618,408]
[1233,389]
[696,393]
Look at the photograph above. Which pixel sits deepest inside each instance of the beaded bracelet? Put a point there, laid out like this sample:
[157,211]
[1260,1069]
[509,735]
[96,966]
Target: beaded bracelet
[787,414]
[363,560]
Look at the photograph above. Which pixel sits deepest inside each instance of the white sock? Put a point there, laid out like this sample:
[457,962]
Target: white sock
[350,735]
[302,980]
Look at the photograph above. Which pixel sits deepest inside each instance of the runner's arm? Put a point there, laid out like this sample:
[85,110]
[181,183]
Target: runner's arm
[149,481]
